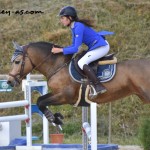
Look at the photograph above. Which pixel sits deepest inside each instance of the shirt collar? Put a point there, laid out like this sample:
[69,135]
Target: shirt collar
[72,25]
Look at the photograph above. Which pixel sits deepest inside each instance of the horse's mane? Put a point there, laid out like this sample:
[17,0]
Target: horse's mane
[42,46]
[47,47]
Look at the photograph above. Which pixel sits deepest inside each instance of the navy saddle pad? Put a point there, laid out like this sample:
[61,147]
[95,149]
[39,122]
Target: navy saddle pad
[104,72]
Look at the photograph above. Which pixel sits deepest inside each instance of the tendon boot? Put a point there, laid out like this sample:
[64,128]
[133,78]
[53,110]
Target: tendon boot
[98,87]
[50,117]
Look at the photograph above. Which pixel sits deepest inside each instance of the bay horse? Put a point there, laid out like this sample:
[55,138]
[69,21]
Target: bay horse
[132,77]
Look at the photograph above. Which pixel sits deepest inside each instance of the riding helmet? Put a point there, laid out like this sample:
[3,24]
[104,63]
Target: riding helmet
[68,11]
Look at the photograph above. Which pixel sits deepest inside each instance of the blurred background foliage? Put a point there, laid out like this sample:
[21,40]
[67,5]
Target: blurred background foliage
[129,19]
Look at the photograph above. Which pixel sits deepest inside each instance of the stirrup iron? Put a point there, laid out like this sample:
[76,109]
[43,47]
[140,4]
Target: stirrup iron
[92,92]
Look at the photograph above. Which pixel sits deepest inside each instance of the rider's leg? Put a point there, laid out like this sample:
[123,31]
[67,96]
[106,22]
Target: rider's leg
[90,57]
[99,88]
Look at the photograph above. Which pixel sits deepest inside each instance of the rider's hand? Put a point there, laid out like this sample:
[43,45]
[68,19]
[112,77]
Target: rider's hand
[56,50]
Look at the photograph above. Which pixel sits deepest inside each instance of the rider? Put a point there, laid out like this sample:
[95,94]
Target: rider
[82,32]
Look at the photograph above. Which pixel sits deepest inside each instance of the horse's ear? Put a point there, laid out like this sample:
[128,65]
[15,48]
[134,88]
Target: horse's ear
[17,46]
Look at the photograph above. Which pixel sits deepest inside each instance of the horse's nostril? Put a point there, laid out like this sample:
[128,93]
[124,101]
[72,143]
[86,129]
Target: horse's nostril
[8,82]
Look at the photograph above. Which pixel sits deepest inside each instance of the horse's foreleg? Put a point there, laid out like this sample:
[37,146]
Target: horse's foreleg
[48,114]
[47,100]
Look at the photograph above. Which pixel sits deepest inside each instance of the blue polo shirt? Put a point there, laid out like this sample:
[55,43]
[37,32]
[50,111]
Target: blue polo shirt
[83,34]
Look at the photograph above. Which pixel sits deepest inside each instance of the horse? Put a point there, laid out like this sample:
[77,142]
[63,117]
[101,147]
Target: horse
[132,77]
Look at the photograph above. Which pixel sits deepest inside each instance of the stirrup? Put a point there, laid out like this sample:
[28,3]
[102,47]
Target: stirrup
[92,93]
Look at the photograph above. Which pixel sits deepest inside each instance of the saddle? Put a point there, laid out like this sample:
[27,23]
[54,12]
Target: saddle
[101,67]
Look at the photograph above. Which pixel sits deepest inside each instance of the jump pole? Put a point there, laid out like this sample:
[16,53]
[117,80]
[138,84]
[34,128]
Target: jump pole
[20,103]
[13,104]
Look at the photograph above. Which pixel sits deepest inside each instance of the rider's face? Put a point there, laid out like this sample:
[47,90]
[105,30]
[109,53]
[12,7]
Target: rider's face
[65,21]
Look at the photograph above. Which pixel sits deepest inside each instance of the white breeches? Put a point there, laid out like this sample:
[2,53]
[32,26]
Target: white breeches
[93,55]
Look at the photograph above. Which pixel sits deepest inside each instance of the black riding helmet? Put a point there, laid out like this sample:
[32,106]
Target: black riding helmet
[68,11]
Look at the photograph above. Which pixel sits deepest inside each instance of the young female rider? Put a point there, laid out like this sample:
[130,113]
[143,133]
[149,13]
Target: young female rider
[83,33]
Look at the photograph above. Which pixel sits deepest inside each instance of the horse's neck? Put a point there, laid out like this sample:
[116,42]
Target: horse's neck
[52,65]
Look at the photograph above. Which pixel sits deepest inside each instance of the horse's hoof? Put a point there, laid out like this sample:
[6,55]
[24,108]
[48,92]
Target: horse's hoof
[58,118]
[59,115]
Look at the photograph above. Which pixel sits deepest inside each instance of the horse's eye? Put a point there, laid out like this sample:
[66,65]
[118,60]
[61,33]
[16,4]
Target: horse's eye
[17,62]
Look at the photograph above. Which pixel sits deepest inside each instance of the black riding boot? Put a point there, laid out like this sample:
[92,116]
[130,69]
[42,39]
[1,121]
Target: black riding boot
[99,88]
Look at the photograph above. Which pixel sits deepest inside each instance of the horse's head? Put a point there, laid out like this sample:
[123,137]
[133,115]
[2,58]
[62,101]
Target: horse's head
[20,65]
[36,56]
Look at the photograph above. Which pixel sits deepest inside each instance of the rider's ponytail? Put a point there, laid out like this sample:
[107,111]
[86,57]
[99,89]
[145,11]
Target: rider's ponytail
[87,22]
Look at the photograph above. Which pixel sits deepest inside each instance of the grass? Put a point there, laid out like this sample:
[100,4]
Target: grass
[144,134]
[77,139]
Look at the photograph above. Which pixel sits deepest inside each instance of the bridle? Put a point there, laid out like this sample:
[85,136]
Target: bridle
[19,76]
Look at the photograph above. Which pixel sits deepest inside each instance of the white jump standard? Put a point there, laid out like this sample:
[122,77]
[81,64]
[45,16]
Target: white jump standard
[28,86]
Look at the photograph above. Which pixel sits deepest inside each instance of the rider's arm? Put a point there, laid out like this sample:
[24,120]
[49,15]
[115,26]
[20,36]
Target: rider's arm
[77,33]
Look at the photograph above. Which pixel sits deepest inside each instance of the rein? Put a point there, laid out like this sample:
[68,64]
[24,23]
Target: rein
[20,74]
[53,73]
[25,54]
